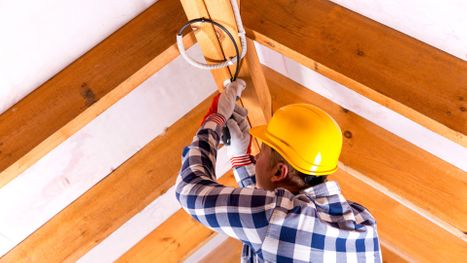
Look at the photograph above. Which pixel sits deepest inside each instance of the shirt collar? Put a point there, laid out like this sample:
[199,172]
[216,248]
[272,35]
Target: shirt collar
[324,189]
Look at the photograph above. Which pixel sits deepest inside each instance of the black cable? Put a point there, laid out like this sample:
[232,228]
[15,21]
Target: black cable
[204,20]
[226,132]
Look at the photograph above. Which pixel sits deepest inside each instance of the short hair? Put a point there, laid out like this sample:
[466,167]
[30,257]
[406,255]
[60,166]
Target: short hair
[299,179]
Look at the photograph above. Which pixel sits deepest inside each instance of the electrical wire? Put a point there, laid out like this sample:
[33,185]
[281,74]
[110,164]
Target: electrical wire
[228,62]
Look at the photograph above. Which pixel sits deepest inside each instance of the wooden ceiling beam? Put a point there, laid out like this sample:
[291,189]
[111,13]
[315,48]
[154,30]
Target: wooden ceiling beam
[377,153]
[414,79]
[175,239]
[217,46]
[76,95]
[230,251]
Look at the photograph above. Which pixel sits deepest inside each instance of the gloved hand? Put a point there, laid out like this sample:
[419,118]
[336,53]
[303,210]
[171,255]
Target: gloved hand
[223,104]
[240,139]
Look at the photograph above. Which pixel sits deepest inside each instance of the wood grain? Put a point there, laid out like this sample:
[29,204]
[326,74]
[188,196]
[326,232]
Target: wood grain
[170,242]
[76,95]
[175,239]
[228,251]
[398,165]
[217,46]
[422,83]
[231,250]
[411,234]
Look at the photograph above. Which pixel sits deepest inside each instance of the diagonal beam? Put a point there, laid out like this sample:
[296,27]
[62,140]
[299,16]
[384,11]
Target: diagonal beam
[138,181]
[86,88]
[230,251]
[402,227]
[175,239]
[172,241]
[393,69]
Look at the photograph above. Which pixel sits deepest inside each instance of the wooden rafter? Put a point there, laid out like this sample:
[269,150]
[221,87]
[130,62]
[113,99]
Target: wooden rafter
[410,77]
[230,251]
[216,46]
[86,88]
[174,239]
[139,181]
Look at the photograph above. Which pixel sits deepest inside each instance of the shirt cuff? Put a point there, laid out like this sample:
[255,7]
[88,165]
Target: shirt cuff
[242,160]
[215,122]
[216,118]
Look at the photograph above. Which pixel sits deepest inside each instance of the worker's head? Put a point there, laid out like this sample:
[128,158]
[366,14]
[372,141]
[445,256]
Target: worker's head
[301,145]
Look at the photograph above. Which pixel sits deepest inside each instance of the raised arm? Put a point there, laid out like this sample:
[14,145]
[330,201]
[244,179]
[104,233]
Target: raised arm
[242,213]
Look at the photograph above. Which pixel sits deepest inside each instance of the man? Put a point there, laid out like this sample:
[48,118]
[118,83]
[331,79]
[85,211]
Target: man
[284,210]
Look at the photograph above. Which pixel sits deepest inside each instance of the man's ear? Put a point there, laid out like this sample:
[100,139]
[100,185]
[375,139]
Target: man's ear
[281,172]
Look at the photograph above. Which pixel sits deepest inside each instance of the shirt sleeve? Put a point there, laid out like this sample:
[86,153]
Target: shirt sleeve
[242,213]
[245,175]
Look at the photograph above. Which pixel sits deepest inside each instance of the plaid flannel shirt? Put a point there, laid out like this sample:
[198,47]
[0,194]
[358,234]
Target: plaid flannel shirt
[317,225]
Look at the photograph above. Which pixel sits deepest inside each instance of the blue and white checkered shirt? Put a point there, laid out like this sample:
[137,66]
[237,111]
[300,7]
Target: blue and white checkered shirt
[316,225]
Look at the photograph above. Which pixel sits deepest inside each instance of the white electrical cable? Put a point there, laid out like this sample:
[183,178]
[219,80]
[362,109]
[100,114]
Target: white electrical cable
[241,34]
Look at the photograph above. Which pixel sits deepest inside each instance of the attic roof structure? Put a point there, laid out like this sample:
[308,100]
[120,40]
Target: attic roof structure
[114,122]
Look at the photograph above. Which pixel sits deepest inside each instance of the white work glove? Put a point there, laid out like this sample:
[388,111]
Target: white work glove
[223,104]
[240,139]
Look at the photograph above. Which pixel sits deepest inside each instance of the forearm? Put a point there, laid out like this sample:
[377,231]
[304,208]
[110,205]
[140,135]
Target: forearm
[199,159]
[224,209]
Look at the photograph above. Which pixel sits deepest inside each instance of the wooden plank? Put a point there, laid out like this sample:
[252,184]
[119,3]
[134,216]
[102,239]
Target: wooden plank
[228,251]
[86,88]
[413,234]
[175,239]
[231,249]
[170,242]
[395,70]
[256,97]
[207,34]
[403,168]
[391,255]
[132,186]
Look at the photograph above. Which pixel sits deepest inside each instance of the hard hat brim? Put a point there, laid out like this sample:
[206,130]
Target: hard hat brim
[285,151]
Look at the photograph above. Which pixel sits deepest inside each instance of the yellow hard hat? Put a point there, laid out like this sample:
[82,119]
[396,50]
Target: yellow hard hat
[306,136]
